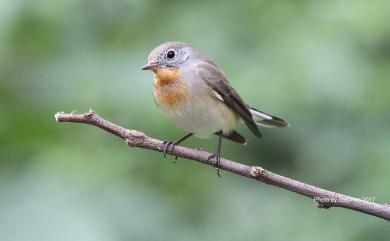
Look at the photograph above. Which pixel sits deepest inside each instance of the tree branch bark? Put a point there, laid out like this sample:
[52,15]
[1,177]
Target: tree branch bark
[323,198]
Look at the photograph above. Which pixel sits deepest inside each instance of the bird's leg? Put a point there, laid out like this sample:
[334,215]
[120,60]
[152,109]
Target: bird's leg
[173,143]
[217,155]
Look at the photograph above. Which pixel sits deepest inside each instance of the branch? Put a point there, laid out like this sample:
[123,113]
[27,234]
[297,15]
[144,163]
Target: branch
[323,198]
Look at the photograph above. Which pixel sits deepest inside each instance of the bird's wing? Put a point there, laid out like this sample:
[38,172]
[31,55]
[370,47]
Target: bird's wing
[217,81]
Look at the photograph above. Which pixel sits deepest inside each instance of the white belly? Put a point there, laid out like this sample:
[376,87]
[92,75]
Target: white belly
[203,115]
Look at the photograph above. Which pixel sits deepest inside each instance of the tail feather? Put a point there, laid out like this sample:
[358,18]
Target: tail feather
[234,136]
[266,120]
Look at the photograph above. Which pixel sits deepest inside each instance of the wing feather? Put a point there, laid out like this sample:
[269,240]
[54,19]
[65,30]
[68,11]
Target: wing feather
[217,81]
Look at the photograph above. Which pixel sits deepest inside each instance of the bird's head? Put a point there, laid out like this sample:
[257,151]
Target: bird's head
[169,55]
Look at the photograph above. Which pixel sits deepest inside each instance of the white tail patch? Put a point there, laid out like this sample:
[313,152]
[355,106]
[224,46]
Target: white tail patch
[265,120]
[259,115]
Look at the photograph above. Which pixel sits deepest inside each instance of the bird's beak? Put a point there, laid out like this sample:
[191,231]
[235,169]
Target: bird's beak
[149,66]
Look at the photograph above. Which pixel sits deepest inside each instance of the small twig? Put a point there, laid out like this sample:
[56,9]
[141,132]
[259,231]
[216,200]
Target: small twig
[323,198]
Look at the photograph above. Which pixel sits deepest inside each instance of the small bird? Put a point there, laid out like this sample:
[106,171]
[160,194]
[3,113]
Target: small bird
[195,94]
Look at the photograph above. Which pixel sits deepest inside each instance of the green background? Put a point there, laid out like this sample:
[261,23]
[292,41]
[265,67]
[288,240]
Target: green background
[322,65]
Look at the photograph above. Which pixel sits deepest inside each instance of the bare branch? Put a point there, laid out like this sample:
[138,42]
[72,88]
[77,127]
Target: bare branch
[323,198]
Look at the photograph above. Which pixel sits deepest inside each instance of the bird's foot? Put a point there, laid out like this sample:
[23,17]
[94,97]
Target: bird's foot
[217,158]
[167,145]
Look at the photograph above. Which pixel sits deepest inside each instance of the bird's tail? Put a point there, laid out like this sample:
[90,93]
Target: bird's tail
[266,120]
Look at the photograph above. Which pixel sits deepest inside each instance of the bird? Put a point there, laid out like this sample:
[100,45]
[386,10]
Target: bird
[194,93]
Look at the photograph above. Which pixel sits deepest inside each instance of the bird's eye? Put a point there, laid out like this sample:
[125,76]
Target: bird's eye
[170,54]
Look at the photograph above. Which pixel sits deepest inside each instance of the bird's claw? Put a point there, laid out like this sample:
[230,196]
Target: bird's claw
[167,145]
[217,158]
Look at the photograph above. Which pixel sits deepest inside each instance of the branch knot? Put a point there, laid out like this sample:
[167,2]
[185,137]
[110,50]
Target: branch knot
[134,138]
[90,114]
[256,171]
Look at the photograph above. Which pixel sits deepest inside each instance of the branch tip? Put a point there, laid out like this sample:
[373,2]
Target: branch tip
[57,116]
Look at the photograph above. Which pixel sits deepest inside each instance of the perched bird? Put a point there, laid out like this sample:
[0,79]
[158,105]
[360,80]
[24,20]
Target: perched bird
[194,93]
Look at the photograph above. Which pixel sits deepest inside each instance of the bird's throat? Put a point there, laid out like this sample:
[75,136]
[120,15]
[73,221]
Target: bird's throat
[164,76]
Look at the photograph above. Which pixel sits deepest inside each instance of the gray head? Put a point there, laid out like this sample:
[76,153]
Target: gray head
[169,55]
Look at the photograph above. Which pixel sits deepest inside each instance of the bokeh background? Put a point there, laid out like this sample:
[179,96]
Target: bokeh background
[322,65]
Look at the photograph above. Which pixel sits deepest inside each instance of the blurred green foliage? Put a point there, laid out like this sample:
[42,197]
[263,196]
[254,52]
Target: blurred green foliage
[322,65]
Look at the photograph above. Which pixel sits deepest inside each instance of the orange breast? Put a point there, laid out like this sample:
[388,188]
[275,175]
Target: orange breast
[169,89]
[164,76]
